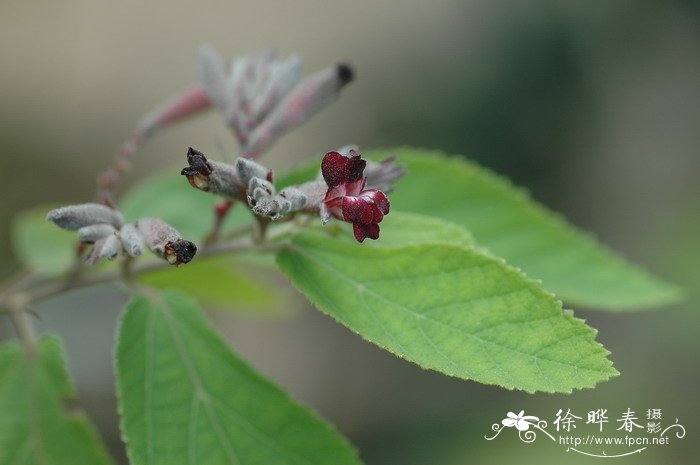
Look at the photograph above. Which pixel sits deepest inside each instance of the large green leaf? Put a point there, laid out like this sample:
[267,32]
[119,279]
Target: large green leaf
[449,308]
[401,228]
[511,225]
[38,423]
[185,398]
[219,282]
[39,244]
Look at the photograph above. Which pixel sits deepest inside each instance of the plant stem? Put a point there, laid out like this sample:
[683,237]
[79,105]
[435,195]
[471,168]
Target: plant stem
[50,287]
[120,165]
[221,210]
[24,328]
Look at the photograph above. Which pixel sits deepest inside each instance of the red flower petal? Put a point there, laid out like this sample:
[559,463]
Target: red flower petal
[337,169]
[359,232]
[363,231]
[378,198]
[358,210]
[372,231]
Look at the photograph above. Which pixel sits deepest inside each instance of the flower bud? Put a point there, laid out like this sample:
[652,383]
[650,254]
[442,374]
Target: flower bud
[212,74]
[211,176]
[132,240]
[284,76]
[264,202]
[224,181]
[381,176]
[74,217]
[258,189]
[272,208]
[297,199]
[164,240]
[247,169]
[310,96]
[94,232]
[188,103]
[107,247]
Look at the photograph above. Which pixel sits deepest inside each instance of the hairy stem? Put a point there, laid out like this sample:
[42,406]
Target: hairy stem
[25,330]
[221,210]
[17,302]
[119,166]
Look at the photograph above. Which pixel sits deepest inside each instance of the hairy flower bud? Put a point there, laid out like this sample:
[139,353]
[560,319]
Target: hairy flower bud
[248,169]
[283,77]
[192,101]
[74,217]
[165,241]
[212,176]
[264,202]
[132,240]
[295,197]
[310,96]
[259,97]
[259,189]
[381,176]
[106,247]
[94,232]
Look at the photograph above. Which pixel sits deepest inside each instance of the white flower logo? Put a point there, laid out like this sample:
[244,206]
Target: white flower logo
[520,421]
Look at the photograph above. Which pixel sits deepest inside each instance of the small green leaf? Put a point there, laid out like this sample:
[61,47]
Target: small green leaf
[510,224]
[169,197]
[451,309]
[40,424]
[185,398]
[218,282]
[39,244]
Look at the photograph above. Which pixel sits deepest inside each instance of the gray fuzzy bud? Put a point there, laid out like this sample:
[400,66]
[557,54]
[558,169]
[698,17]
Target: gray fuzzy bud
[133,241]
[248,169]
[74,217]
[164,240]
[223,180]
[111,247]
[107,247]
[383,175]
[271,208]
[94,232]
[258,190]
[157,234]
[305,100]
[289,200]
[296,198]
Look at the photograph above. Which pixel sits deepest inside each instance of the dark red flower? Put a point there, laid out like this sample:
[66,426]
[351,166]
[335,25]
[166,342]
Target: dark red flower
[347,199]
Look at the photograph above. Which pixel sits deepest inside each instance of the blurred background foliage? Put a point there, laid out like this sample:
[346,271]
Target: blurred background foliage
[593,106]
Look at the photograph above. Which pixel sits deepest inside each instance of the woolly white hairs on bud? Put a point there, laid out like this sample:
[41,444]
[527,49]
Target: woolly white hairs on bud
[74,217]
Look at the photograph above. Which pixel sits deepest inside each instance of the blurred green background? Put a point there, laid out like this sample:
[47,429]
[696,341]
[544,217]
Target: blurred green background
[593,106]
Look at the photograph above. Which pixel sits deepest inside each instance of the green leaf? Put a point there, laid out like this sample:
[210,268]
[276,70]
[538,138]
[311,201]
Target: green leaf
[451,309]
[39,244]
[401,228]
[510,224]
[39,424]
[218,282]
[169,197]
[185,398]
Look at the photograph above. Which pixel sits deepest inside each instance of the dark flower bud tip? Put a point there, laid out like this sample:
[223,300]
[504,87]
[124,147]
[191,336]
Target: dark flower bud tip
[199,170]
[345,73]
[180,251]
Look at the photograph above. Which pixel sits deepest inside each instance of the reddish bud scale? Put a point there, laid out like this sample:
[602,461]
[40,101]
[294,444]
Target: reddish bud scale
[190,102]
[222,207]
